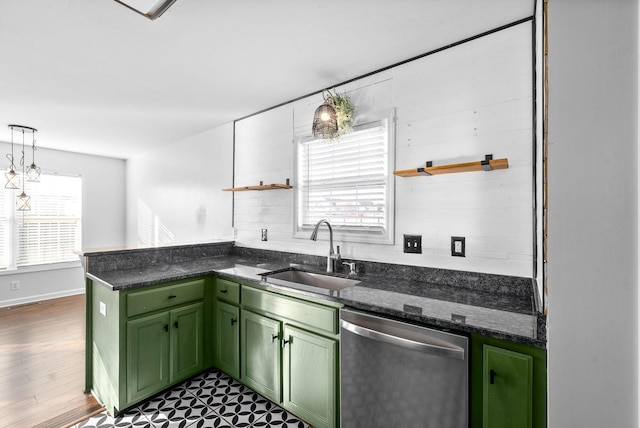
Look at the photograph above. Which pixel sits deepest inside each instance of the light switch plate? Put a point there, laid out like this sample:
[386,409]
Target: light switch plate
[103,309]
[413,244]
[457,246]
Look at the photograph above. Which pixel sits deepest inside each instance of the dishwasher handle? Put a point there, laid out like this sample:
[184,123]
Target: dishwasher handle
[453,351]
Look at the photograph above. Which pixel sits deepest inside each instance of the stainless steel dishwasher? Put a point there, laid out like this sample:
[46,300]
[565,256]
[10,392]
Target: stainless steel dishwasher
[395,374]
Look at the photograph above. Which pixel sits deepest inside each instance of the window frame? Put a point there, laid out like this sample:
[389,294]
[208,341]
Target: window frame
[11,219]
[387,237]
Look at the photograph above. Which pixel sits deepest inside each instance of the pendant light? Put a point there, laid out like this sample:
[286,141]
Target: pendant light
[23,199]
[33,173]
[13,180]
[325,121]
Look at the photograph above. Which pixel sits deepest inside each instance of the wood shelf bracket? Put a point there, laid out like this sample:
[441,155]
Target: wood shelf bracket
[488,164]
[261,186]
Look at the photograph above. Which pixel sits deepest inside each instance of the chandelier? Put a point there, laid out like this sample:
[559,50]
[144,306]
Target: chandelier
[14,178]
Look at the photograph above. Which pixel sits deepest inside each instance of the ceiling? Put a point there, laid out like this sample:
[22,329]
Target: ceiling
[94,77]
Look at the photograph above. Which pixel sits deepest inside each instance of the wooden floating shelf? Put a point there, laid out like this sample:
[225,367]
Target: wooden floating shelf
[261,186]
[489,164]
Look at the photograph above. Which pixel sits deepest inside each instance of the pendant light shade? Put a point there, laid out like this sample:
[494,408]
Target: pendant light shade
[23,202]
[33,173]
[325,122]
[13,179]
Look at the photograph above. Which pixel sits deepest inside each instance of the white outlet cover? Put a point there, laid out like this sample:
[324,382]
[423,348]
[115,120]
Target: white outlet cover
[103,309]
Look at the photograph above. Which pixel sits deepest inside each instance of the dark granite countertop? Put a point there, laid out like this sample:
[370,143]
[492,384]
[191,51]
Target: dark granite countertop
[489,309]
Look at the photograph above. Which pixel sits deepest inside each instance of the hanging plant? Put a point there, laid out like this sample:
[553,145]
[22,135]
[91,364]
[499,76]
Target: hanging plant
[344,112]
[333,118]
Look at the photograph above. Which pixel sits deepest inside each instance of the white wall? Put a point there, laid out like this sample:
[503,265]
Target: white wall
[103,223]
[454,106]
[174,192]
[593,213]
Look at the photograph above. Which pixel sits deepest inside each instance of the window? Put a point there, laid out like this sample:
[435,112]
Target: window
[349,183]
[50,231]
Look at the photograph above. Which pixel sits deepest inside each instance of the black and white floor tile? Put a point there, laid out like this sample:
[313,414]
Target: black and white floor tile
[212,399]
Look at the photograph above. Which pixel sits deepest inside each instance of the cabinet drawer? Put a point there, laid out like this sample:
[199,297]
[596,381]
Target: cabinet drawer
[307,314]
[228,291]
[140,302]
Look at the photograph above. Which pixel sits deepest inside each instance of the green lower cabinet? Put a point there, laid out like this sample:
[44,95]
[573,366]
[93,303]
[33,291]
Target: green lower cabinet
[163,349]
[147,356]
[187,341]
[143,340]
[289,354]
[508,384]
[310,369]
[261,354]
[507,388]
[227,339]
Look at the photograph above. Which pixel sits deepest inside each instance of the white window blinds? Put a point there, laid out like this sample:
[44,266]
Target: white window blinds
[5,238]
[347,182]
[51,230]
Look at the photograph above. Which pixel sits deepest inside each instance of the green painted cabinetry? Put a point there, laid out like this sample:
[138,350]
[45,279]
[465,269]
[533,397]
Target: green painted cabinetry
[261,354]
[289,353]
[310,376]
[163,349]
[508,384]
[287,348]
[186,328]
[227,327]
[227,339]
[147,356]
[145,340]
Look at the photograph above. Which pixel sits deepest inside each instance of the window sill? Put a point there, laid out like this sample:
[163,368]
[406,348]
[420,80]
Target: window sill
[41,268]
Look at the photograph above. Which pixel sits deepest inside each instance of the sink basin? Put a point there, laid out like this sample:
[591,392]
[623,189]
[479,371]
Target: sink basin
[309,278]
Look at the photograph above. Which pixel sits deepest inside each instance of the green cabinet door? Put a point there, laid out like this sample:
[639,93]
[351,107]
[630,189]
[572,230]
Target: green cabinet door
[227,339]
[507,388]
[147,356]
[187,341]
[310,376]
[261,353]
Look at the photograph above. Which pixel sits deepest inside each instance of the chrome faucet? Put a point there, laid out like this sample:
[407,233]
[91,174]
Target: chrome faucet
[334,258]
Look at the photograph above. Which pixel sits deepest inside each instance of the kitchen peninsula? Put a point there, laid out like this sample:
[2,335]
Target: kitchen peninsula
[125,292]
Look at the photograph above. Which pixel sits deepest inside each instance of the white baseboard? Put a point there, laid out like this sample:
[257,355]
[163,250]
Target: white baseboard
[40,297]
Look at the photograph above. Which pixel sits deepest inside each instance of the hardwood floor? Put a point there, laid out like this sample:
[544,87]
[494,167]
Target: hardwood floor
[42,364]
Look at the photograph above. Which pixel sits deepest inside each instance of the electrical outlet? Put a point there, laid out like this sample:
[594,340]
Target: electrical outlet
[264,234]
[15,285]
[413,244]
[457,246]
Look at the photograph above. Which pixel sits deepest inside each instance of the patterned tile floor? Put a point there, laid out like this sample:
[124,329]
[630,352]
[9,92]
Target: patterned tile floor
[212,399]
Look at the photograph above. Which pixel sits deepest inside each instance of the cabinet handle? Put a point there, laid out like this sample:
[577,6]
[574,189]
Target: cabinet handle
[233,321]
[284,342]
[175,324]
[173,296]
[166,327]
[223,291]
[274,337]
[492,376]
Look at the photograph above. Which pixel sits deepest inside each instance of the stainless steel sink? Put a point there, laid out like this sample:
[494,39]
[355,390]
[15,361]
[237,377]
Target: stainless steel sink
[309,278]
